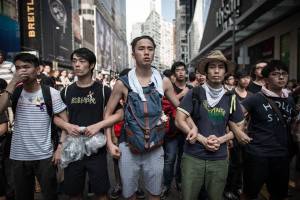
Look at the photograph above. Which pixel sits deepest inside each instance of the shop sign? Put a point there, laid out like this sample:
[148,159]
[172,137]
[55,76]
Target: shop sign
[31,22]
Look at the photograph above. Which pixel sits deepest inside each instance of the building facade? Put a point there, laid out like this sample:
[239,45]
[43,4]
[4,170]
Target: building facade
[263,30]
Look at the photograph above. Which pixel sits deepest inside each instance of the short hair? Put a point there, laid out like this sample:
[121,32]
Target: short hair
[272,66]
[167,73]
[3,84]
[28,58]
[192,76]
[177,64]
[135,41]
[86,54]
[241,73]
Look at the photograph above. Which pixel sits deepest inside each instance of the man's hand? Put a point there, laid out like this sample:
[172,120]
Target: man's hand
[114,150]
[92,130]
[210,143]
[57,155]
[19,76]
[192,136]
[242,137]
[73,129]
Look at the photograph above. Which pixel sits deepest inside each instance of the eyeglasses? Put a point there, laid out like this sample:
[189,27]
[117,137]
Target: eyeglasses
[278,74]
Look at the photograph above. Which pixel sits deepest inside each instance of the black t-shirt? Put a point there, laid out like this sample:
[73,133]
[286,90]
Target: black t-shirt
[253,87]
[85,105]
[178,90]
[211,121]
[265,127]
[241,98]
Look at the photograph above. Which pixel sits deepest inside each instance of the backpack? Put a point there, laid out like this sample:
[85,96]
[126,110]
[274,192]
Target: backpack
[197,92]
[49,107]
[144,129]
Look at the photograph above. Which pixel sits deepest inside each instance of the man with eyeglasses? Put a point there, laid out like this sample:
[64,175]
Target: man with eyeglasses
[266,158]
[256,85]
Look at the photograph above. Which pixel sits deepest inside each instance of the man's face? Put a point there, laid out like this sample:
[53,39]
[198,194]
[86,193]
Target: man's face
[27,71]
[180,73]
[47,69]
[143,52]
[258,68]
[81,66]
[230,81]
[244,81]
[277,79]
[201,78]
[216,72]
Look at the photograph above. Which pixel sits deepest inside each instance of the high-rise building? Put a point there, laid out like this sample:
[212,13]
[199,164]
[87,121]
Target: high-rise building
[167,45]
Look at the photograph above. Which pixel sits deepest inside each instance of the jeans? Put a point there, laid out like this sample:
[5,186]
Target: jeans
[170,148]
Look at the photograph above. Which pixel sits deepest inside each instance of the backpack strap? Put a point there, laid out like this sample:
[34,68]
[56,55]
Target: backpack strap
[125,81]
[15,98]
[103,97]
[47,99]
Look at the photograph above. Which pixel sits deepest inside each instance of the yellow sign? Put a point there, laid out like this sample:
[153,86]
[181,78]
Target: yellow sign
[31,19]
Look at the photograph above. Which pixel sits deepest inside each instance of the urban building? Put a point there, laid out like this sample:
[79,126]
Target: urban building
[167,45]
[263,30]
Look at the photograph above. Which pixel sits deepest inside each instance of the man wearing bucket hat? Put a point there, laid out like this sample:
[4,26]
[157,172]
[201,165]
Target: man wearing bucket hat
[204,163]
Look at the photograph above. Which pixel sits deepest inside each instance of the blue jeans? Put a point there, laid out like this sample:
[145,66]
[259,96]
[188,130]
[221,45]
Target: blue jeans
[170,148]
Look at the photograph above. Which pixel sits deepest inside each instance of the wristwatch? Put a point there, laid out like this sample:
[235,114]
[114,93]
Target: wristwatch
[58,12]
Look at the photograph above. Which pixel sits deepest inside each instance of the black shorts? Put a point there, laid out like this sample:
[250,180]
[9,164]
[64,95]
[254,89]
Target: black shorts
[96,167]
[2,179]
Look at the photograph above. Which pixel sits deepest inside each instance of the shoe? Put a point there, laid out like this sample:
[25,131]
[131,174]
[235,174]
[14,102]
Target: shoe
[230,196]
[164,193]
[140,194]
[116,192]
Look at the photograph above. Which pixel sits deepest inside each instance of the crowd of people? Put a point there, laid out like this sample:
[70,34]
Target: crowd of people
[222,133]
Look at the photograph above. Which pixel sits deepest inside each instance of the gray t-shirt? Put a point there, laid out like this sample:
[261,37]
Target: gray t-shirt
[31,138]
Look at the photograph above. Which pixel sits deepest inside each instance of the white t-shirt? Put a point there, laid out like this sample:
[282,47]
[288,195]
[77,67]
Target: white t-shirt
[31,139]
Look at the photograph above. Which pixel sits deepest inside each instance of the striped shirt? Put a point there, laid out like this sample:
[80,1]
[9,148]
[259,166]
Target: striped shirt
[31,139]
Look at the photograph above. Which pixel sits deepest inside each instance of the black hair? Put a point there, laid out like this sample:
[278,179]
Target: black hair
[241,73]
[272,66]
[177,64]
[124,72]
[192,76]
[227,76]
[135,40]
[3,84]
[28,58]
[86,54]
[3,53]
[254,67]
[167,73]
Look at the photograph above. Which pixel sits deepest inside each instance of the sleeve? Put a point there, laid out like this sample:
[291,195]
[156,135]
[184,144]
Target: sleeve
[3,118]
[248,103]
[57,102]
[186,104]
[237,116]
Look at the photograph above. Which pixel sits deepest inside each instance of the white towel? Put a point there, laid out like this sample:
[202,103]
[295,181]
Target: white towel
[136,86]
